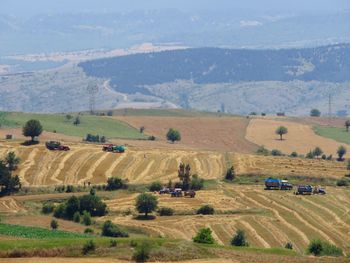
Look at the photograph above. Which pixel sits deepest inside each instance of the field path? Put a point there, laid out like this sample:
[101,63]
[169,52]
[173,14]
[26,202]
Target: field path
[29,162]
[90,172]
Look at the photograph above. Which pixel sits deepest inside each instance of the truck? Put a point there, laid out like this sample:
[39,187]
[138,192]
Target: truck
[56,146]
[190,193]
[277,184]
[304,190]
[318,190]
[177,192]
[113,148]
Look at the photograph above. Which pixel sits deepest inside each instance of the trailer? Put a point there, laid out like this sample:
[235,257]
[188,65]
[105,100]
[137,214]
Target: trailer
[56,146]
[304,190]
[113,148]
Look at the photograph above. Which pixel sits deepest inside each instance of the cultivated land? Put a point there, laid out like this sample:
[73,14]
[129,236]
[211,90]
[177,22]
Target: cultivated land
[300,138]
[210,145]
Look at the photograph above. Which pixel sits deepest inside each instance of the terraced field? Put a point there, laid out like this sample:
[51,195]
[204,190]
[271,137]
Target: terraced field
[270,218]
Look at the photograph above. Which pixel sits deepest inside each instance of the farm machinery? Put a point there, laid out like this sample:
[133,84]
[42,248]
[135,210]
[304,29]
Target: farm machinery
[113,148]
[177,192]
[309,190]
[277,184]
[56,146]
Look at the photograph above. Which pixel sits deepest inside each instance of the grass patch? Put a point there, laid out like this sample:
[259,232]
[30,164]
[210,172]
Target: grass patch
[335,133]
[35,232]
[105,126]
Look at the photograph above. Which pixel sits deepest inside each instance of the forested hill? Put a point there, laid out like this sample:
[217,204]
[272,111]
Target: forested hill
[215,65]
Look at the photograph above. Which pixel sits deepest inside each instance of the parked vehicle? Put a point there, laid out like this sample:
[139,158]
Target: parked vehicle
[165,190]
[113,148]
[304,190]
[190,193]
[277,184]
[319,190]
[177,192]
[56,146]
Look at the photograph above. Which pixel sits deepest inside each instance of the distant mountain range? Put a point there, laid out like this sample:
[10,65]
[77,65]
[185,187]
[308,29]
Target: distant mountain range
[130,74]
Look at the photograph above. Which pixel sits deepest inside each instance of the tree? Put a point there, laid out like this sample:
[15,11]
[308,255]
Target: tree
[69,117]
[155,187]
[184,174]
[8,183]
[115,183]
[32,129]
[142,252]
[239,239]
[54,224]
[281,131]
[341,152]
[72,206]
[86,218]
[206,210]
[93,204]
[204,236]
[88,247]
[77,121]
[317,152]
[315,113]
[347,125]
[173,135]
[76,217]
[146,203]
[12,161]
[348,165]
[142,129]
[230,174]
[289,245]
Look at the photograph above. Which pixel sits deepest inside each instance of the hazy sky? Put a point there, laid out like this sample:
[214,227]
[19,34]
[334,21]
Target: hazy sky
[31,7]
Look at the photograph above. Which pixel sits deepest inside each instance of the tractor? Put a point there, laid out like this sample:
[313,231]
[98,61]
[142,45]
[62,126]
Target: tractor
[277,184]
[113,148]
[56,146]
[177,192]
[190,193]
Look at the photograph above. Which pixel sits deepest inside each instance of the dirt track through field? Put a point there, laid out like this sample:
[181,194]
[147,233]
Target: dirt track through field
[300,138]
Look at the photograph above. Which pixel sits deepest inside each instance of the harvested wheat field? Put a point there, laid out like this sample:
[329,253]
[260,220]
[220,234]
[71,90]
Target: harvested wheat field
[300,138]
[270,218]
[209,133]
[284,166]
[88,163]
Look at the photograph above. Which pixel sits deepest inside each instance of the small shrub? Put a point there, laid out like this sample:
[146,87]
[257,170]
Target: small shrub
[275,152]
[86,220]
[155,187]
[330,157]
[48,208]
[230,174]
[323,248]
[263,151]
[165,211]
[115,183]
[294,154]
[89,247]
[88,231]
[53,224]
[324,157]
[70,189]
[239,239]
[142,252]
[206,210]
[310,155]
[109,113]
[76,217]
[204,236]
[289,245]
[152,138]
[60,211]
[343,182]
[111,230]
[133,243]
[113,243]
[196,183]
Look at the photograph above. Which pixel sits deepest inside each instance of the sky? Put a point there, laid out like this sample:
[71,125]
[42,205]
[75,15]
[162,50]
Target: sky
[33,7]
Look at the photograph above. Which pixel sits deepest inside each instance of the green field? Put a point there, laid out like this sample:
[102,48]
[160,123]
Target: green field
[166,113]
[35,232]
[335,133]
[103,126]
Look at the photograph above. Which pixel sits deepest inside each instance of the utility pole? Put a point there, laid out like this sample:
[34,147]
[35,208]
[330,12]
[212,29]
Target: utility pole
[92,90]
[330,109]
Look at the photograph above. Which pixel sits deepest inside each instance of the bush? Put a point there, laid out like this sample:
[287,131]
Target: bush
[155,187]
[315,113]
[239,239]
[70,189]
[165,211]
[323,248]
[88,231]
[93,204]
[204,236]
[53,224]
[86,218]
[324,157]
[206,210]
[60,211]
[289,245]
[294,154]
[343,182]
[111,230]
[76,217]
[275,152]
[142,252]
[151,138]
[113,243]
[230,174]
[330,158]
[263,151]
[89,247]
[196,183]
[115,183]
[310,155]
[72,207]
[47,208]
[109,113]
